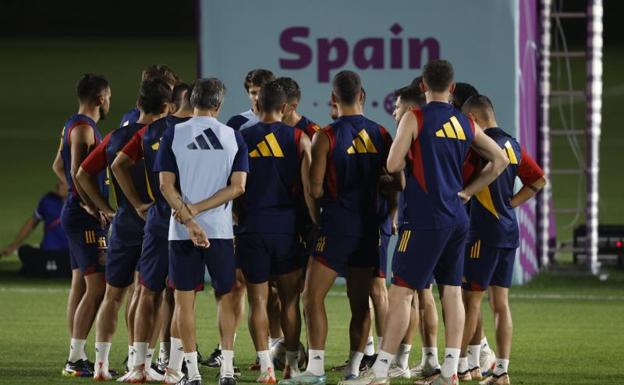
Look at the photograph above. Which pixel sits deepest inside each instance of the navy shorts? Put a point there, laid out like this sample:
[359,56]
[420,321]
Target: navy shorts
[423,254]
[87,250]
[486,266]
[340,252]
[121,263]
[263,256]
[153,265]
[384,241]
[187,264]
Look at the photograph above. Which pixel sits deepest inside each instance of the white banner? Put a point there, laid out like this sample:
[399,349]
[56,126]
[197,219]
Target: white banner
[386,42]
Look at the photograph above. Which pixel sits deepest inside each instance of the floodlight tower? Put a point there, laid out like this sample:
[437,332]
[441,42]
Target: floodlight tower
[593,107]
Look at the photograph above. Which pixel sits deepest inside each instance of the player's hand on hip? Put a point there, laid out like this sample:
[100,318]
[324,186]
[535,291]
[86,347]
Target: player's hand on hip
[142,210]
[464,197]
[106,217]
[91,210]
[197,234]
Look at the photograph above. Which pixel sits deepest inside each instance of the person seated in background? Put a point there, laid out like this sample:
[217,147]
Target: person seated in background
[51,258]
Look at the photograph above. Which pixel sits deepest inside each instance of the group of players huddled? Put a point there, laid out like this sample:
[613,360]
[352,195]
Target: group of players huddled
[277,207]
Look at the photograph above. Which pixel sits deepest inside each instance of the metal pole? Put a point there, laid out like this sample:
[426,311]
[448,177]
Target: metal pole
[594,120]
[543,221]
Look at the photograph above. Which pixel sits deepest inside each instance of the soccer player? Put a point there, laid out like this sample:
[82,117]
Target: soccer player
[152,71]
[433,237]
[294,119]
[461,93]
[493,241]
[254,80]
[162,71]
[291,116]
[407,99]
[154,261]
[127,224]
[203,166]
[81,219]
[348,159]
[279,161]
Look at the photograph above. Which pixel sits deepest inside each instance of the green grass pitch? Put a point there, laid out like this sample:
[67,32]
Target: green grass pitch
[567,329]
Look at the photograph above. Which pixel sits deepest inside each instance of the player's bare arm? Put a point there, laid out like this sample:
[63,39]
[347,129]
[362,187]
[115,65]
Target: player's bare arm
[93,193]
[175,201]
[23,233]
[489,150]
[58,167]
[305,148]
[82,138]
[232,191]
[527,192]
[406,134]
[121,169]
[320,150]
[390,183]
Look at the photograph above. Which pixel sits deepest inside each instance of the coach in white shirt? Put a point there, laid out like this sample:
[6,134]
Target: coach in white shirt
[203,166]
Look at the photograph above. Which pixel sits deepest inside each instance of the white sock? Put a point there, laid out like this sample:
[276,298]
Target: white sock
[353,366]
[148,358]
[473,356]
[462,367]
[379,342]
[292,359]
[316,362]
[502,365]
[130,357]
[430,357]
[163,352]
[382,364]
[191,365]
[76,350]
[101,355]
[140,351]
[369,350]
[273,341]
[264,356]
[485,347]
[176,354]
[402,357]
[227,365]
[451,359]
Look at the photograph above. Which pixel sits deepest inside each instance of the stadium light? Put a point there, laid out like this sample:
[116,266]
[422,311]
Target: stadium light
[544,153]
[594,120]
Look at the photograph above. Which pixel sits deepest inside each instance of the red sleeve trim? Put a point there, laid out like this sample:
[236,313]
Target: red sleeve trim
[95,162]
[331,179]
[76,124]
[419,117]
[134,148]
[312,129]
[529,171]
[470,166]
[298,134]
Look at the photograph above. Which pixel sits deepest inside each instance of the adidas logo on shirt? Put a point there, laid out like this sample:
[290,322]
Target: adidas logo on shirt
[200,142]
[269,147]
[452,130]
[362,144]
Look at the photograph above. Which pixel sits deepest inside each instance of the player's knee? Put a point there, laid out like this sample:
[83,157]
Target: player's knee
[311,301]
[378,293]
[501,306]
